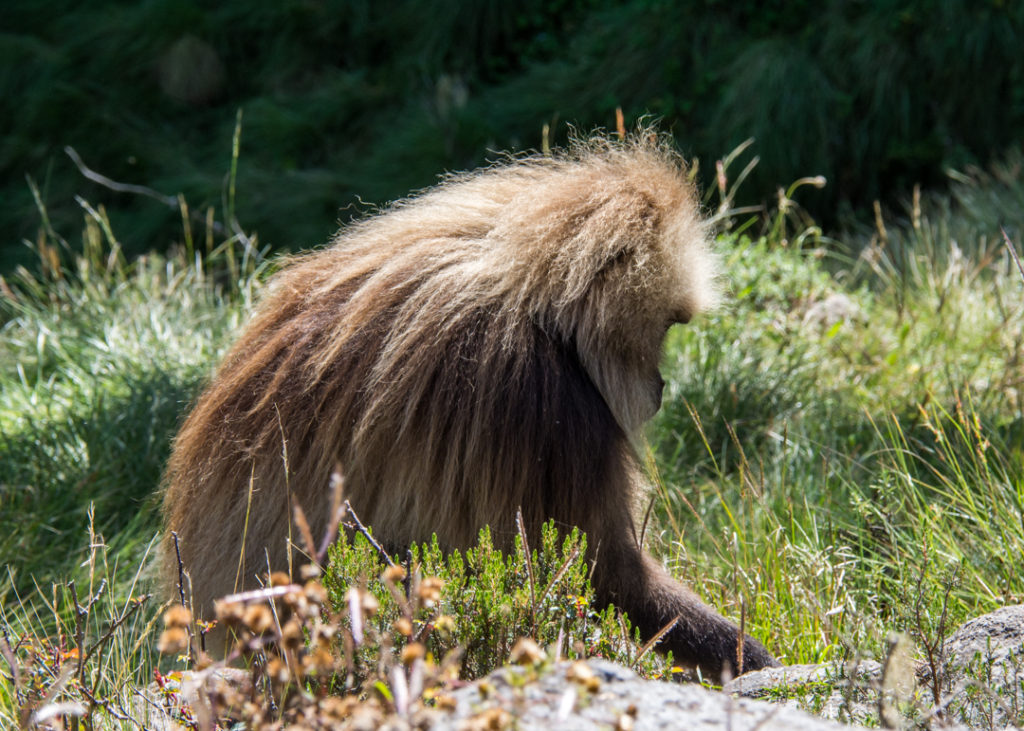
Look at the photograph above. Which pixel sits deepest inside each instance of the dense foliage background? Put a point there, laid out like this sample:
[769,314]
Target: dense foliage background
[365,100]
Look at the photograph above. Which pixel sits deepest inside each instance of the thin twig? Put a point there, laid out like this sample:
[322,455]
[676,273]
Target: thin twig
[80,614]
[366,534]
[128,612]
[407,579]
[647,517]
[427,626]
[529,568]
[650,644]
[106,182]
[561,572]
[12,661]
[106,705]
[739,637]
[269,592]
[167,200]
[181,568]
[1013,251]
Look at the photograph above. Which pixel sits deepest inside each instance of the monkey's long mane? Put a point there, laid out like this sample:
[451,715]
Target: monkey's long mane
[475,349]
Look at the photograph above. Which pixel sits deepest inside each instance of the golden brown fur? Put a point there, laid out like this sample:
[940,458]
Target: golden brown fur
[488,344]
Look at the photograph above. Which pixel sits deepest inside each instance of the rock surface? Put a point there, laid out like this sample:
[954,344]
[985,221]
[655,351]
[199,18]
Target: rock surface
[837,692]
[984,676]
[617,699]
[981,681]
[1000,632]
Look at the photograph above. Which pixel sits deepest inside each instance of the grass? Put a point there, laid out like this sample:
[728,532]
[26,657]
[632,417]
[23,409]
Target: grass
[99,358]
[840,453]
[836,463]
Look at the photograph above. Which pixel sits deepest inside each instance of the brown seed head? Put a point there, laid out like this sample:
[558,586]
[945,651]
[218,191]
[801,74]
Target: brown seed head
[412,652]
[258,618]
[338,708]
[315,592]
[526,652]
[493,719]
[369,604]
[292,636]
[173,640]
[580,672]
[177,616]
[277,671]
[280,578]
[445,702]
[318,662]
[231,614]
[430,590]
[445,624]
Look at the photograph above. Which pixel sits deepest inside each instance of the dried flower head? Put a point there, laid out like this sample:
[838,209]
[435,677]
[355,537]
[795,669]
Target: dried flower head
[258,619]
[412,652]
[429,591]
[526,652]
[177,616]
[173,640]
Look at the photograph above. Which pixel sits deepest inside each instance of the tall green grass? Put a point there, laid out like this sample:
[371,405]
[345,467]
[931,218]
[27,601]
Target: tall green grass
[100,357]
[848,437]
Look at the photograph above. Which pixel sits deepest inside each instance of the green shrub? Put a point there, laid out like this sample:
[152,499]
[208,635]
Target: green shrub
[485,602]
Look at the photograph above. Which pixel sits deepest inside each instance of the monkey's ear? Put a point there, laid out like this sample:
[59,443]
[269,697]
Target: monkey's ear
[633,235]
[615,262]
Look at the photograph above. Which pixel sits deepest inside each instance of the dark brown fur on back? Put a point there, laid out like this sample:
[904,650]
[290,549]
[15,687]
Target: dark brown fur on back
[489,345]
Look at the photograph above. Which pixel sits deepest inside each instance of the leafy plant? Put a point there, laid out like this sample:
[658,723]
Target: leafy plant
[485,601]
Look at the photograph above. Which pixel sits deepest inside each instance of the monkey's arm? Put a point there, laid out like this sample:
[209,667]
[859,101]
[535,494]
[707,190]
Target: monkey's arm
[593,488]
[700,638]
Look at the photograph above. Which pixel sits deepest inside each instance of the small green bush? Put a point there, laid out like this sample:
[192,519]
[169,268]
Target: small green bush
[485,601]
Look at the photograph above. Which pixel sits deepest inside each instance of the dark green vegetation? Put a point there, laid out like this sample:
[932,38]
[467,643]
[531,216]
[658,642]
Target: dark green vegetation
[368,99]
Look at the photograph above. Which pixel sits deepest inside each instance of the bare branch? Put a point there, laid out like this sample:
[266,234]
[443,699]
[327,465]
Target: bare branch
[366,534]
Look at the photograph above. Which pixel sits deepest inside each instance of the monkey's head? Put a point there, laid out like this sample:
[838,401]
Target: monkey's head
[608,254]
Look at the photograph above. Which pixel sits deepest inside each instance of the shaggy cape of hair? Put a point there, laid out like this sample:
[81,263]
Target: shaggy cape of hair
[489,344]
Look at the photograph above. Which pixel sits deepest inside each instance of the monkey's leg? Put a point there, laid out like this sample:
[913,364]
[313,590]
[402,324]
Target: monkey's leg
[633,581]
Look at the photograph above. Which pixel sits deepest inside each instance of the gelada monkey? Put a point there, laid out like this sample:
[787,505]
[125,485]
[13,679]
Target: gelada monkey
[488,345]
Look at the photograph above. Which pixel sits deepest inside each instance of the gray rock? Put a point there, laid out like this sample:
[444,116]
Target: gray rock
[616,698]
[983,681]
[834,308]
[847,693]
[1000,633]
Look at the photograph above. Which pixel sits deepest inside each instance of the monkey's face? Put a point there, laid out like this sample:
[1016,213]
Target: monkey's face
[610,266]
[634,309]
[654,347]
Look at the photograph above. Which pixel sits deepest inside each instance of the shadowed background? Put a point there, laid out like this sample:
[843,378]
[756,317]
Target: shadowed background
[369,99]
